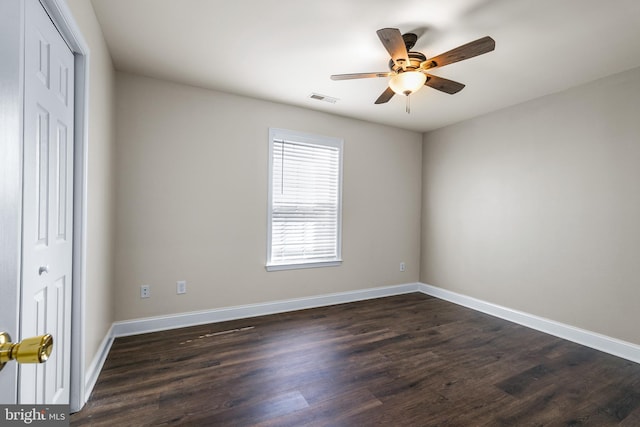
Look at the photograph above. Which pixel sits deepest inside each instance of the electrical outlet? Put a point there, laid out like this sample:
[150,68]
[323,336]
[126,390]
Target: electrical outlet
[403,267]
[181,287]
[145,291]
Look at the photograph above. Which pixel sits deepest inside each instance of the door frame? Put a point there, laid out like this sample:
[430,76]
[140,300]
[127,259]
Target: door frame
[11,161]
[11,78]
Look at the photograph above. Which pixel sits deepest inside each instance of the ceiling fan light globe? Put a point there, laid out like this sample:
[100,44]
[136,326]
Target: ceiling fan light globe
[407,83]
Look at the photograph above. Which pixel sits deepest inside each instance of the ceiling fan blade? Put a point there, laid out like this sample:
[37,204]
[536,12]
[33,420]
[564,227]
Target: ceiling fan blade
[386,96]
[443,85]
[394,43]
[359,75]
[466,51]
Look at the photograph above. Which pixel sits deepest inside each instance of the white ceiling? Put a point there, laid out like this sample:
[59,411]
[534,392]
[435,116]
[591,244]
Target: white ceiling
[283,50]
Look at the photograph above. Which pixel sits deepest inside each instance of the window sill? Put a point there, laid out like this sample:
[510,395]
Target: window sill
[278,267]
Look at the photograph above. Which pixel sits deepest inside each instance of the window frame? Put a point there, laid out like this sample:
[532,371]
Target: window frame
[278,134]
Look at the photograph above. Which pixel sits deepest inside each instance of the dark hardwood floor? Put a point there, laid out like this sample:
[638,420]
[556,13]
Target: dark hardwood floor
[409,360]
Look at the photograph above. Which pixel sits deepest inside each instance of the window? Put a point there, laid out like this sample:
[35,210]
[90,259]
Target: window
[305,200]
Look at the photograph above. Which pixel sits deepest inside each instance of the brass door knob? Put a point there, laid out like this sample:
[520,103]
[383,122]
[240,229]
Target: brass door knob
[29,350]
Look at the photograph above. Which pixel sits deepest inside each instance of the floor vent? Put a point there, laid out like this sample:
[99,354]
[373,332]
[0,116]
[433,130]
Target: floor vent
[214,334]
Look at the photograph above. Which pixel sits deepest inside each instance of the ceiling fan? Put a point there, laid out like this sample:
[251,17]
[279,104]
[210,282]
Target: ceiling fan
[408,70]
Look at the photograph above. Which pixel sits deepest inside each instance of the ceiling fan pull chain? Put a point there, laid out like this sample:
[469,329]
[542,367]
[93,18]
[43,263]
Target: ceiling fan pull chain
[408,108]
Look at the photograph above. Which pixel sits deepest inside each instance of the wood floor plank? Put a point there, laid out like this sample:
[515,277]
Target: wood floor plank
[403,360]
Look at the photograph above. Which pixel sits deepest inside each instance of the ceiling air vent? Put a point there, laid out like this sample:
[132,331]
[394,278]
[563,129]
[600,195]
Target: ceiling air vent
[324,98]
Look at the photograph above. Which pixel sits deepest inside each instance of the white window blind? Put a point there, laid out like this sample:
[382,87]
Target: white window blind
[304,200]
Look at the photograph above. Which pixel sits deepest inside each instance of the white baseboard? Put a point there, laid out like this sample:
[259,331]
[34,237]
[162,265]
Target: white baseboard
[182,320]
[616,347]
[92,373]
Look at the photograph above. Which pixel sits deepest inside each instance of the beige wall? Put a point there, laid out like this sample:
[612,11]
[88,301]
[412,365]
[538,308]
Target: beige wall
[537,207]
[192,199]
[100,181]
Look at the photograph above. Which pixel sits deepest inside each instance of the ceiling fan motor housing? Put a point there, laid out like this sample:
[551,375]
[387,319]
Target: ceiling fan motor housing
[415,59]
